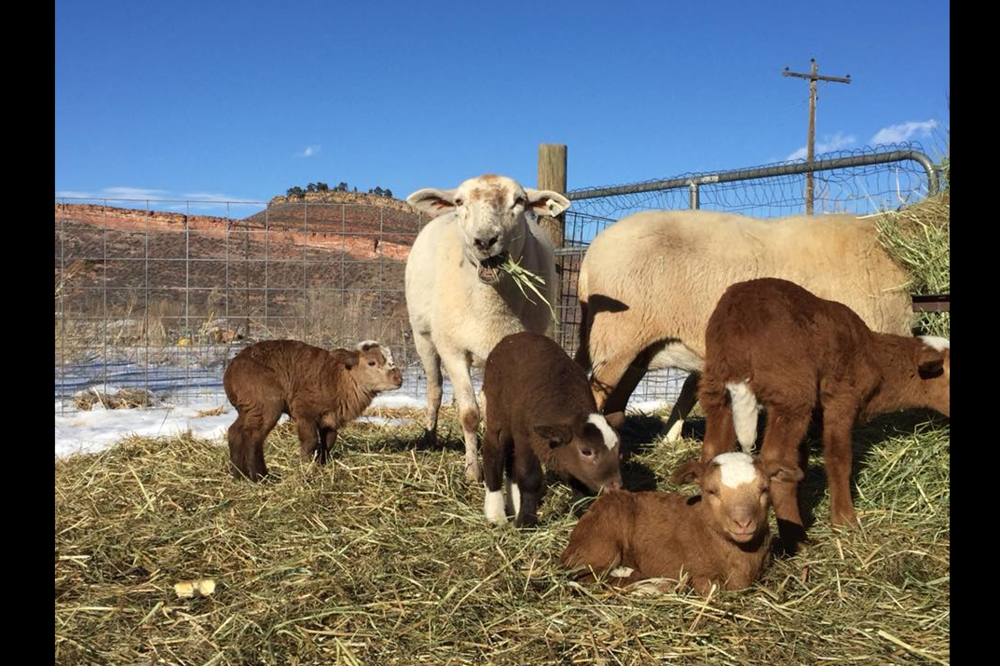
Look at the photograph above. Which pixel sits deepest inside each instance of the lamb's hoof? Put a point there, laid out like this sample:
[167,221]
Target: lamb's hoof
[674,432]
[429,439]
[472,472]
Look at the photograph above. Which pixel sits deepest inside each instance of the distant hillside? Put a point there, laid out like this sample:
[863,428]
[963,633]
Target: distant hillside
[291,261]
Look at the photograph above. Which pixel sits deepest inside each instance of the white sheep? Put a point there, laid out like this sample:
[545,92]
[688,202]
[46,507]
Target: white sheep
[460,303]
[649,283]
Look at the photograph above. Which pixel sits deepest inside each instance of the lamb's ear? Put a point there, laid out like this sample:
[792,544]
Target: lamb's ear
[930,363]
[433,201]
[351,360]
[555,435]
[689,472]
[615,419]
[779,471]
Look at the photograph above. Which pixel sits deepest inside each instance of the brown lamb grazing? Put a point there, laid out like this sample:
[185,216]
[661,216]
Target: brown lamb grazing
[322,390]
[539,409]
[720,536]
[772,343]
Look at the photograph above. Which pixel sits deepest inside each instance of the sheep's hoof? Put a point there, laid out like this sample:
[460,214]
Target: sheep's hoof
[429,439]
[472,472]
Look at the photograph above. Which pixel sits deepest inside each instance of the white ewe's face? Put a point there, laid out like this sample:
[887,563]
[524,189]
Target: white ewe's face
[492,213]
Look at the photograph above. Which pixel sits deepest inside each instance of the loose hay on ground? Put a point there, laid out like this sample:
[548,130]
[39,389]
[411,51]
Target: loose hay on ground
[384,557]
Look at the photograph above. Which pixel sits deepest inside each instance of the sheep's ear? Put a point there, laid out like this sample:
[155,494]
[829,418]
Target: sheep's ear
[615,419]
[779,471]
[555,435]
[930,363]
[350,360]
[433,201]
[689,472]
[366,345]
[546,202]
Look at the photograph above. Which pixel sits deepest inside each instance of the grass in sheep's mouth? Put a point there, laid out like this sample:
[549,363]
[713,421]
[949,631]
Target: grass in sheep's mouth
[526,280]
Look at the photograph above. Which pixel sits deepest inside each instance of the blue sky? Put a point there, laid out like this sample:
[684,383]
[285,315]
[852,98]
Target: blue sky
[241,100]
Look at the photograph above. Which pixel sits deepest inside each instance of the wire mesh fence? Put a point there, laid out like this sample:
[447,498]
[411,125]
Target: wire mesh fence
[157,301]
[154,298]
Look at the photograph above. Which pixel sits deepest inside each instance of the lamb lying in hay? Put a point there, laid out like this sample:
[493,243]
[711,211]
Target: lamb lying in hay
[322,390]
[718,537]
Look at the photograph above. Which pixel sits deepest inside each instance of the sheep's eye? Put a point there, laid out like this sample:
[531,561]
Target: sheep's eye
[371,364]
[586,453]
[459,202]
[712,492]
[520,201]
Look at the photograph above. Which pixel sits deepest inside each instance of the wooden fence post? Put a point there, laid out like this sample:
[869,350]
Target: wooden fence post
[552,176]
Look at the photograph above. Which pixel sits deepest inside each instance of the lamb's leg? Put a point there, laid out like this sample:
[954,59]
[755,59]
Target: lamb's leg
[686,401]
[493,466]
[309,444]
[432,369]
[468,410]
[783,442]
[328,438]
[720,433]
[246,439]
[838,420]
[528,477]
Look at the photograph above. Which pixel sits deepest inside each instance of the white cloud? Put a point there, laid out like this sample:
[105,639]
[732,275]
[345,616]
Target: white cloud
[211,196]
[310,151]
[828,144]
[133,193]
[904,132]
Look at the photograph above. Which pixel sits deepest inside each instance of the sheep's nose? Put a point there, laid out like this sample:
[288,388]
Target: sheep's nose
[485,244]
[744,525]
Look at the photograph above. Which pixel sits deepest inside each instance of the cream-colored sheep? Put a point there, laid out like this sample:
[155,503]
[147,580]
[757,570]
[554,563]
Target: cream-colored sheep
[460,303]
[649,283]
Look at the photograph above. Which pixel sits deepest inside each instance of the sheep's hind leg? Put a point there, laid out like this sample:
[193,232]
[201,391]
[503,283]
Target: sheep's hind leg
[432,369]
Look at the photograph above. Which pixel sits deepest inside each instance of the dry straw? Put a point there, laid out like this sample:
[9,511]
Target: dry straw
[384,557]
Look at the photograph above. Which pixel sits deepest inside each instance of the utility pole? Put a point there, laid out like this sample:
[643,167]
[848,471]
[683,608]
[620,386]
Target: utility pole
[813,77]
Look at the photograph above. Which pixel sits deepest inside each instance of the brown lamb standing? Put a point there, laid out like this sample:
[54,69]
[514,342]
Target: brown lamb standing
[539,409]
[322,390]
[772,343]
[720,536]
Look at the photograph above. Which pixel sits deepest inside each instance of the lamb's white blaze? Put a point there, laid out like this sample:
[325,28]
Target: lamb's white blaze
[933,341]
[389,362]
[610,438]
[736,468]
[745,410]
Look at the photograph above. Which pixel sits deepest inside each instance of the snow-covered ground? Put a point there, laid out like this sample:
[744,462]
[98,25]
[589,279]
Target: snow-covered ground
[184,392]
[80,431]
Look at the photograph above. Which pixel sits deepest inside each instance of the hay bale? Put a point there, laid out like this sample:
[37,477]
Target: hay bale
[918,237]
